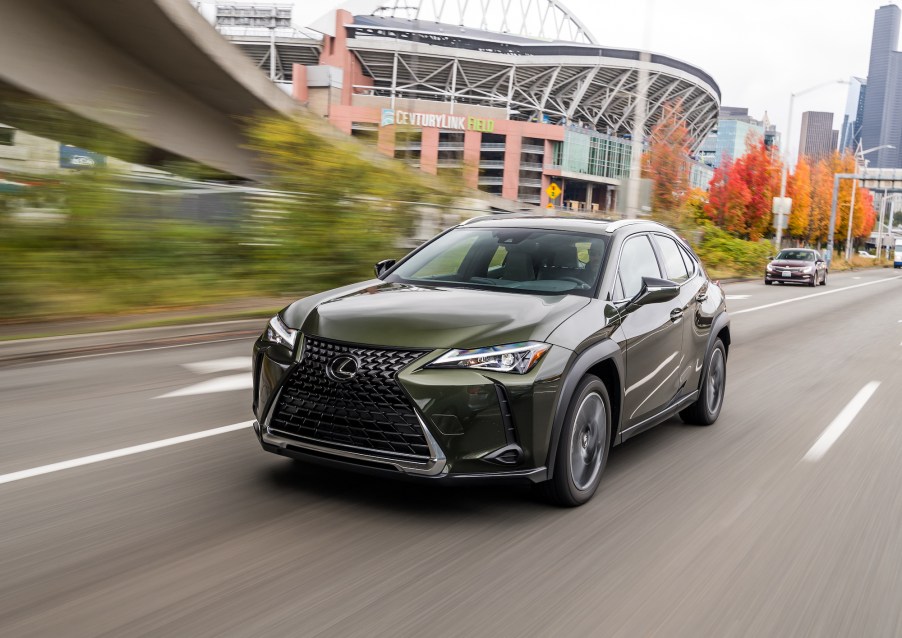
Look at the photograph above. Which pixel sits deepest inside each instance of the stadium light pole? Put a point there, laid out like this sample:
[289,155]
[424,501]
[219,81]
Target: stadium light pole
[639,117]
[785,171]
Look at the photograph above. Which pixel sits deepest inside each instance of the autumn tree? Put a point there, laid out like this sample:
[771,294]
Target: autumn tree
[742,192]
[666,162]
[728,197]
[799,189]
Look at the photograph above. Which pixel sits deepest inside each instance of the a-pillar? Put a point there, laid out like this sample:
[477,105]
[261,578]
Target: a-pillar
[429,151]
[472,149]
[510,188]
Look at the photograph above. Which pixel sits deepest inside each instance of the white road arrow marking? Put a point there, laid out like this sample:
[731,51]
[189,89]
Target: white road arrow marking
[219,365]
[222,384]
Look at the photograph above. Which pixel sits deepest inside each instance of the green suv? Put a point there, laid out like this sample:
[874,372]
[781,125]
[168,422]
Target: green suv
[505,349]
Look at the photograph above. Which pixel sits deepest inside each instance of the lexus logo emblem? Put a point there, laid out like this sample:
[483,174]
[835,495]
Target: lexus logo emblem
[343,368]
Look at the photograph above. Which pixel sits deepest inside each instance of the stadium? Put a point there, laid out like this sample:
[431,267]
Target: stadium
[515,95]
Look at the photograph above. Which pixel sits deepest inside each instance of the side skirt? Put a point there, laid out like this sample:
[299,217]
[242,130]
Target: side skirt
[663,415]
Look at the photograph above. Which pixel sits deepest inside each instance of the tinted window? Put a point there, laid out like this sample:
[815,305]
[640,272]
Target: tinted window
[797,255]
[637,260]
[673,262]
[689,260]
[528,260]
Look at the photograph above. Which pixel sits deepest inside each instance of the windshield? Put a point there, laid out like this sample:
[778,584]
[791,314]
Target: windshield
[542,262]
[797,255]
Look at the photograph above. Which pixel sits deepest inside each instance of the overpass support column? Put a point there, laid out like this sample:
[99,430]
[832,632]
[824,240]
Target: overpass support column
[472,148]
[429,151]
[512,152]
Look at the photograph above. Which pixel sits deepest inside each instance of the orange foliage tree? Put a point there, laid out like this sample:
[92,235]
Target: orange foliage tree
[666,162]
[799,189]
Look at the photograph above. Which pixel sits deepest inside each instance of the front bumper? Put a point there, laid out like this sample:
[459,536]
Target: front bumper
[795,277]
[370,465]
[478,426]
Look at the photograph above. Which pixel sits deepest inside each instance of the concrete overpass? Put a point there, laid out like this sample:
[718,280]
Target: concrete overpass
[150,70]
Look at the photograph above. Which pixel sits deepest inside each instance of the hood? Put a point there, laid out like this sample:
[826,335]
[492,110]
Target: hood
[791,263]
[402,315]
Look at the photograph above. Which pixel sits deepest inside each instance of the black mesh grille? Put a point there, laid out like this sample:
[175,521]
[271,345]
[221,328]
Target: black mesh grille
[368,411]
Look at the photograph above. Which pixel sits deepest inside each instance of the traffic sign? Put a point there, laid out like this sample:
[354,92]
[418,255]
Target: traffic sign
[554,191]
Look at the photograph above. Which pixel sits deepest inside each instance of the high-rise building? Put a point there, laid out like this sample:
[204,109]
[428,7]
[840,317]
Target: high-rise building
[817,139]
[850,133]
[882,121]
[729,139]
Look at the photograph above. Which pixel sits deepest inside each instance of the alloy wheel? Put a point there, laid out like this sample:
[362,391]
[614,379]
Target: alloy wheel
[587,441]
[716,381]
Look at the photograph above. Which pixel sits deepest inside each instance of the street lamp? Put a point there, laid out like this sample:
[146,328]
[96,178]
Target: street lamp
[783,174]
[859,155]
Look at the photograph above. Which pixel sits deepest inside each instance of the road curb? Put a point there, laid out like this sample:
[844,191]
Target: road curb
[66,346]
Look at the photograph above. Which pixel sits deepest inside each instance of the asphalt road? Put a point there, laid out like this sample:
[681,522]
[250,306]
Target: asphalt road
[761,525]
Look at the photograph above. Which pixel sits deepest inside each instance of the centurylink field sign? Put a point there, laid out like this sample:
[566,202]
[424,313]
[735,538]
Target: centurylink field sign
[436,120]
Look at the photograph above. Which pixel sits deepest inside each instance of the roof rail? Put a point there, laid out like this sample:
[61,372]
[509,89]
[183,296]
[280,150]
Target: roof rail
[620,223]
[483,218]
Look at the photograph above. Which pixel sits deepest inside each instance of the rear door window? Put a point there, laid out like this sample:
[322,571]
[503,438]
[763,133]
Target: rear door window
[637,260]
[673,264]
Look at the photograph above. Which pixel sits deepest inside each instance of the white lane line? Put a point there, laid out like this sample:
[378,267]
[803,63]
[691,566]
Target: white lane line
[817,294]
[219,365]
[841,422]
[223,384]
[115,454]
[729,297]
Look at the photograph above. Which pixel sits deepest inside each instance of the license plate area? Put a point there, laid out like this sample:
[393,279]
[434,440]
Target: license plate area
[787,273]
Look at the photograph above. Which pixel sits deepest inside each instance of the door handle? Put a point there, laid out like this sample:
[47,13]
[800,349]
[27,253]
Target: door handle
[676,314]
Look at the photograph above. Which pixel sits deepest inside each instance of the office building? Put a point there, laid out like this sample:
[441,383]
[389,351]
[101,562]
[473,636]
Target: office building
[850,133]
[818,139]
[882,121]
[730,138]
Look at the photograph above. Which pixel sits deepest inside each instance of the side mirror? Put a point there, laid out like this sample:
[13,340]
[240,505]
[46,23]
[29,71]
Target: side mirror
[383,266]
[772,257]
[656,290]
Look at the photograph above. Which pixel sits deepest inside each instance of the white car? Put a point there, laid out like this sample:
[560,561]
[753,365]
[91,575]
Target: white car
[866,254]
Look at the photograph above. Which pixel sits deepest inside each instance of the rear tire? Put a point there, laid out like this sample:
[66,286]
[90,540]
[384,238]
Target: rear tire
[707,406]
[583,447]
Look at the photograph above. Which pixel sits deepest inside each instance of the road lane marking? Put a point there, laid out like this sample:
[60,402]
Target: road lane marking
[817,294]
[115,454]
[842,421]
[222,384]
[730,297]
[219,365]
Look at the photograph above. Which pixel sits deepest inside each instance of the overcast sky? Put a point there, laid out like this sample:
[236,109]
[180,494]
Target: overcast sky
[758,51]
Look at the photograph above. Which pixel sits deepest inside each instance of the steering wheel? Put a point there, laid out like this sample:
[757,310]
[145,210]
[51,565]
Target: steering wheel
[582,285]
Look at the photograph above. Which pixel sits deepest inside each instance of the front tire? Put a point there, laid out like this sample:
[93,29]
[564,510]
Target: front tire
[768,282]
[707,406]
[583,447]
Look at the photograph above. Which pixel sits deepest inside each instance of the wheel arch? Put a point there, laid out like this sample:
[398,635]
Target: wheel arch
[604,360]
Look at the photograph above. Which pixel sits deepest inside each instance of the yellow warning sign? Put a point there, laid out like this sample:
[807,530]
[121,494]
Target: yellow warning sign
[549,205]
[554,191]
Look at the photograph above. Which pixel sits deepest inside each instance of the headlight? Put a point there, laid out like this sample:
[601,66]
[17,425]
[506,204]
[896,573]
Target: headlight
[808,270]
[519,358]
[770,268]
[277,332]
